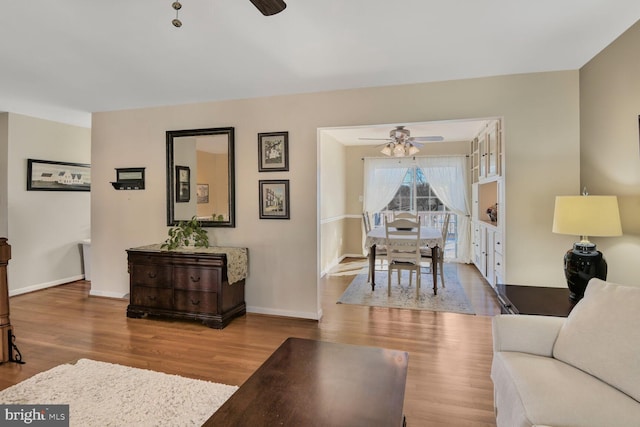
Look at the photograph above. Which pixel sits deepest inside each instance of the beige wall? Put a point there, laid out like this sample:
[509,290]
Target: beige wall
[45,228]
[333,213]
[610,150]
[541,126]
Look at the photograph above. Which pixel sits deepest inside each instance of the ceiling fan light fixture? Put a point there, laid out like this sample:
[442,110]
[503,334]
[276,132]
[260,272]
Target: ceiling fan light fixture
[399,150]
[413,150]
[386,150]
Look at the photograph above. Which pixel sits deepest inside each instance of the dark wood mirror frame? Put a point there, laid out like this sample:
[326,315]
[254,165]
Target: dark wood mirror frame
[171,184]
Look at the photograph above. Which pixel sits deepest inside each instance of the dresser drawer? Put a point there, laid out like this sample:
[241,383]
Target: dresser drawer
[197,278]
[151,297]
[196,302]
[150,275]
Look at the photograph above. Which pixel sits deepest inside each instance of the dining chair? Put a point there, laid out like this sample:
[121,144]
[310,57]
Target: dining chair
[381,250]
[405,215]
[403,250]
[428,253]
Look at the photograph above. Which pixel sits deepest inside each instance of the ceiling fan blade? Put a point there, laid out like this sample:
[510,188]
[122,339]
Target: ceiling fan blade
[427,138]
[269,7]
[375,139]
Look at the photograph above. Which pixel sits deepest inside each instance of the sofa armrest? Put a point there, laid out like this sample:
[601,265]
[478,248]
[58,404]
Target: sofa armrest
[526,333]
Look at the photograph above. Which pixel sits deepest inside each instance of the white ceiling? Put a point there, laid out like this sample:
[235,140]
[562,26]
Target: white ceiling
[64,59]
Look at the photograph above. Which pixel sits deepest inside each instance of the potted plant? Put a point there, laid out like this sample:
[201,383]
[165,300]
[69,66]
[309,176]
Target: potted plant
[186,233]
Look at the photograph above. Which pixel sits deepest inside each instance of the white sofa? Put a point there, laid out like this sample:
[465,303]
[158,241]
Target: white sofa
[579,371]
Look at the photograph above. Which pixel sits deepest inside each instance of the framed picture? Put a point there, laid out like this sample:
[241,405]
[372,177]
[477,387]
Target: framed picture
[47,175]
[273,151]
[202,193]
[183,184]
[274,199]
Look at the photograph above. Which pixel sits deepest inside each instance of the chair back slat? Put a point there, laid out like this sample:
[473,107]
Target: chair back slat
[403,241]
[405,215]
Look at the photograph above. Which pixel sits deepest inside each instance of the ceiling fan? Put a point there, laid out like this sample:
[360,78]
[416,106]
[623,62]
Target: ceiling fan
[266,7]
[269,7]
[401,143]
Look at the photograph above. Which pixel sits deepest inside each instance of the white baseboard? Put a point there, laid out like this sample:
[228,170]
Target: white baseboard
[94,293]
[40,286]
[285,313]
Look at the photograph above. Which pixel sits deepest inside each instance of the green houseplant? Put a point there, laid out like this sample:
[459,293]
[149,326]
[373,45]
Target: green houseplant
[186,233]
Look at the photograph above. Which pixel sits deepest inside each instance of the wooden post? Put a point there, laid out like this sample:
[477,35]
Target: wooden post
[5,323]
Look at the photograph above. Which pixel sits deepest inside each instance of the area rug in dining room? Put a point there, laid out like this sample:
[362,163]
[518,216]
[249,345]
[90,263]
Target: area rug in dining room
[450,298]
[106,394]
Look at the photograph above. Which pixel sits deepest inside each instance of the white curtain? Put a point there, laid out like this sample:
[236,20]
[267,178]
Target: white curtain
[447,176]
[382,179]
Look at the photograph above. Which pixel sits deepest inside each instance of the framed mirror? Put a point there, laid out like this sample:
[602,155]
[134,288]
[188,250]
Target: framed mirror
[201,176]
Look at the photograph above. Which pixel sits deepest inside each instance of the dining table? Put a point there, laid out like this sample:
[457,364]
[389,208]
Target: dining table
[430,237]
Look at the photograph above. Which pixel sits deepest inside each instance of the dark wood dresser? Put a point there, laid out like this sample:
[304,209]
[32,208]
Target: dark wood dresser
[187,284]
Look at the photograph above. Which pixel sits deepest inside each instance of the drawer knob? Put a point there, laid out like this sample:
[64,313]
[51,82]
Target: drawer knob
[195,302]
[195,279]
[152,274]
[151,297]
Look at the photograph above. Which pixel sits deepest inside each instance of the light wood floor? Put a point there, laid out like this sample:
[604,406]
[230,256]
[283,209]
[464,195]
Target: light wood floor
[448,382]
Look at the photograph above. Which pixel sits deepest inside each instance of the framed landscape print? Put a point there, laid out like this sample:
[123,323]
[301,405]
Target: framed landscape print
[183,184]
[47,175]
[274,199]
[202,193]
[273,151]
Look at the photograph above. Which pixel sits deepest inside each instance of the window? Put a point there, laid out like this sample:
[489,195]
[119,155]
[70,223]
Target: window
[415,195]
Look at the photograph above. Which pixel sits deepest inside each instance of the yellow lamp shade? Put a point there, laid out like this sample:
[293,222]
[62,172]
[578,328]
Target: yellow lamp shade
[587,216]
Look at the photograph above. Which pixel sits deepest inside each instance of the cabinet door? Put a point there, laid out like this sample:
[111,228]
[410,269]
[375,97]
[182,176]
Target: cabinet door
[482,148]
[492,150]
[489,248]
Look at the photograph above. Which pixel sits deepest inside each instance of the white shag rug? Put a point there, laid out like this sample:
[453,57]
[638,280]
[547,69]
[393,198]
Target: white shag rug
[105,394]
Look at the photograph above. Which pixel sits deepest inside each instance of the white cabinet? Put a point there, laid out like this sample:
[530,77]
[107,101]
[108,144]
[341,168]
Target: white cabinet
[486,152]
[487,192]
[487,252]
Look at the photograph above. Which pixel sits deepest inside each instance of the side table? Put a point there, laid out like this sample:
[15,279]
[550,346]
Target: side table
[545,301]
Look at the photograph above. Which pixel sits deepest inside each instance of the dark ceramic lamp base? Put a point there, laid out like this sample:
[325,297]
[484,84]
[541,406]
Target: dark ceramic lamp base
[581,264]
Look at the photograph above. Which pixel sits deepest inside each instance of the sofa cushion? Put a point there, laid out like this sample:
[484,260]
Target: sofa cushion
[602,335]
[534,390]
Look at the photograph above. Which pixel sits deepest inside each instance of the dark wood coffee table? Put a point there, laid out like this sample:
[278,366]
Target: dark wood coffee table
[315,383]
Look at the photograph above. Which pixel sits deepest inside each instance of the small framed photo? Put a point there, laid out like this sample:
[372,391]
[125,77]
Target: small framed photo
[202,193]
[47,175]
[183,184]
[273,151]
[274,199]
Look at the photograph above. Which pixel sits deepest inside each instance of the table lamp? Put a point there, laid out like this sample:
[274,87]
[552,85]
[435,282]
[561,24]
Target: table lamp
[585,216]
